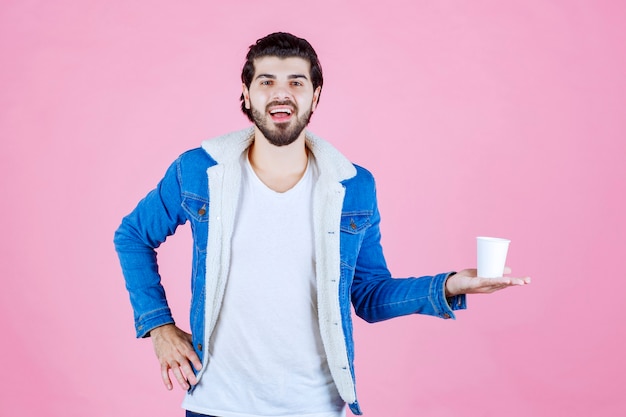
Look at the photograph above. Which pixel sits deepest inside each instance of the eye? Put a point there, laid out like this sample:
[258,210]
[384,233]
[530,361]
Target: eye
[297,84]
[266,82]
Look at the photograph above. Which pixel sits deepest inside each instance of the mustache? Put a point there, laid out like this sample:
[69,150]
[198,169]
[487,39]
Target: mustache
[282,103]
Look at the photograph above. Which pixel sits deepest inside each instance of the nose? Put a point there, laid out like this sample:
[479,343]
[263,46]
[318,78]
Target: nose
[281,93]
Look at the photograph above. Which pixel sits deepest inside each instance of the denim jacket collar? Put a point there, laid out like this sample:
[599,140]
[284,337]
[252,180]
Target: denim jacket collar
[333,166]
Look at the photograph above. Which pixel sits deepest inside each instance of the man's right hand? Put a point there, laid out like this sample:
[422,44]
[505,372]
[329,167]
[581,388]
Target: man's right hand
[174,349]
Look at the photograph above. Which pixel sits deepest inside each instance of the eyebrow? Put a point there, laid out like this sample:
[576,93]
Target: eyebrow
[289,77]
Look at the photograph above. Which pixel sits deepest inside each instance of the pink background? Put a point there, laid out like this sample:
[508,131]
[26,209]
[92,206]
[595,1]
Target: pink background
[477,117]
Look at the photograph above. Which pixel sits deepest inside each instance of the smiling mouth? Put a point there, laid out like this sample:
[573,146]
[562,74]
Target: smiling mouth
[281,114]
[277,111]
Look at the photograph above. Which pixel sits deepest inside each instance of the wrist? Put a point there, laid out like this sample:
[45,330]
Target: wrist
[160,329]
[448,286]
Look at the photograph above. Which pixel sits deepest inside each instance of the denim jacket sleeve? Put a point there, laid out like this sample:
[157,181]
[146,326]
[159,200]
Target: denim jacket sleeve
[377,296]
[142,231]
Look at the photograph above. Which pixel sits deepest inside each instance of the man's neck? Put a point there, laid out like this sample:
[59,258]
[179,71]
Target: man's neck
[278,167]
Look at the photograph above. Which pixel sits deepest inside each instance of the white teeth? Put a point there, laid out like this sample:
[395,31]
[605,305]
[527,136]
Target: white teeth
[280,111]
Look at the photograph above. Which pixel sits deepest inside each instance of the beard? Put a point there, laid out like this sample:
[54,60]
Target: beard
[281,134]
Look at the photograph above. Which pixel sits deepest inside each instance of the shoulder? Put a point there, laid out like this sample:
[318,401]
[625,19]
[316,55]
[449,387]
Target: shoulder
[363,172]
[360,191]
[196,156]
[193,162]
[191,170]
[363,178]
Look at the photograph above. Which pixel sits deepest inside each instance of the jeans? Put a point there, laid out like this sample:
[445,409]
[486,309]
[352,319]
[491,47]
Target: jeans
[192,414]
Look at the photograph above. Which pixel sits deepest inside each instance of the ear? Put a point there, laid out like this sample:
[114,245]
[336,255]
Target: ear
[246,95]
[316,97]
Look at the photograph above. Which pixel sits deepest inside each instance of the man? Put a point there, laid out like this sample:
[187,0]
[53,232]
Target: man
[286,236]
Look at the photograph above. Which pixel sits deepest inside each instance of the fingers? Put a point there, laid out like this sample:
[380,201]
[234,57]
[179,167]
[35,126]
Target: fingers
[490,285]
[182,375]
[191,354]
[516,281]
[165,376]
[195,361]
[466,282]
[520,281]
[174,350]
[182,371]
[511,282]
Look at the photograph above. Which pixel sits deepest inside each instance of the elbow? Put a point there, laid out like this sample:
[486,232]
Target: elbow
[367,315]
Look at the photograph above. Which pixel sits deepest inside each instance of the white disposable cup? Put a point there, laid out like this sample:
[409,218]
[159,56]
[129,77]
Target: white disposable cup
[491,256]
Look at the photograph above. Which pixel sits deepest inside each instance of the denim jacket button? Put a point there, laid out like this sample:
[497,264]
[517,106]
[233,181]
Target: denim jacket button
[200,347]
[446,316]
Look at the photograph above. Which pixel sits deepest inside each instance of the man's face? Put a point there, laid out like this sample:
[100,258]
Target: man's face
[281,98]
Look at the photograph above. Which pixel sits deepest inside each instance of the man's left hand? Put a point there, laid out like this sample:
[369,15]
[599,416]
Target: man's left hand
[467,282]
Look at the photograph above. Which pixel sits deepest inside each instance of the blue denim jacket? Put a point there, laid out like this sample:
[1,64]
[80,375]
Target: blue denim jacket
[201,187]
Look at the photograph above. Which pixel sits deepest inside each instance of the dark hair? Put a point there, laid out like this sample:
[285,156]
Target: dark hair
[282,45]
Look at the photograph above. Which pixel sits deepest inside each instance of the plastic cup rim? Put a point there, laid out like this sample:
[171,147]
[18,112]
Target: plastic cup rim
[493,239]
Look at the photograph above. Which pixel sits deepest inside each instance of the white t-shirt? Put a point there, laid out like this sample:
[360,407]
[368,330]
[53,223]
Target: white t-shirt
[266,356]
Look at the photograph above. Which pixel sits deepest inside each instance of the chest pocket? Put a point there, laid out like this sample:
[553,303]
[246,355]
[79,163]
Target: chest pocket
[353,227]
[197,208]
